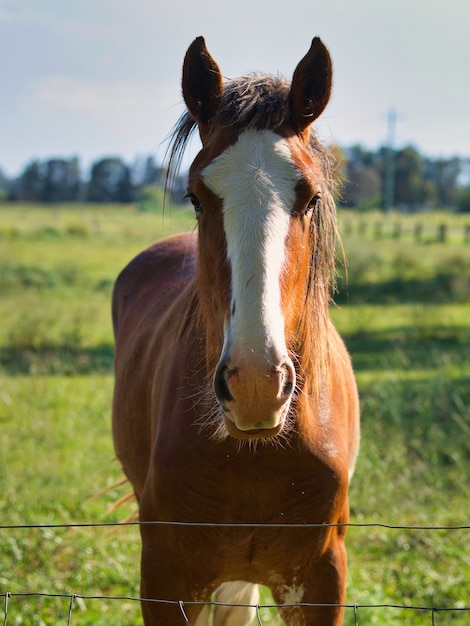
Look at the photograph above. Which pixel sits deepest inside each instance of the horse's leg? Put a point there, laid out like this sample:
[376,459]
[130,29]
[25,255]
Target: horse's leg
[204,616]
[168,588]
[236,593]
[324,584]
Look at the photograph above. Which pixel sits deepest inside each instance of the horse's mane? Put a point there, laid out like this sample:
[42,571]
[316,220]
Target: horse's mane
[261,102]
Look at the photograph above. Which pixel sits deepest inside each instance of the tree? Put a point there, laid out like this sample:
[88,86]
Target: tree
[29,184]
[4,186]
[412,191]
[362,184]
[125,189]
[146,172]
[61,181]
[463,200]
[363,176]
[54,180]
[110,181]
[445,174]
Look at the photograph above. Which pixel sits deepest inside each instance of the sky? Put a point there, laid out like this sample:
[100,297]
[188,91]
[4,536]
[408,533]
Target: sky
[96,78]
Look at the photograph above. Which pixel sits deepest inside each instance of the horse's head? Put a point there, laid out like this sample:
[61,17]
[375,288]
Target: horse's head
[260,191]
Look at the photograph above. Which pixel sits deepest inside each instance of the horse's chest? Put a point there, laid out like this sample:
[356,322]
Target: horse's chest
[254,509]
[240,488]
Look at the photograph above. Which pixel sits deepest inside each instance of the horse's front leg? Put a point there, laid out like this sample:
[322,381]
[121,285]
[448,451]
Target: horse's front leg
[323,585]
[167,585]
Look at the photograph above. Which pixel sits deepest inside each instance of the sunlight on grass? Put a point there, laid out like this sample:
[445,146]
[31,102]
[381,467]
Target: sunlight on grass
[405,315]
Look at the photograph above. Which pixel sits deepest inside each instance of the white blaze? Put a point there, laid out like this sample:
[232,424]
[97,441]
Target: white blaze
[256,180]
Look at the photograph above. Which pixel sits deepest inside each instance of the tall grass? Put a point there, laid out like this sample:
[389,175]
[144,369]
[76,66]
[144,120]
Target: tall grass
[404,311]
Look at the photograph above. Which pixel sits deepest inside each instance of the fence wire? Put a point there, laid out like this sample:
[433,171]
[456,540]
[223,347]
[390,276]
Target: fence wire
[74,598]
[181,604]
[235,525]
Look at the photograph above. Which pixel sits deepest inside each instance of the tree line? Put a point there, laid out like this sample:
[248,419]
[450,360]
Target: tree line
[111,180]
[419,182]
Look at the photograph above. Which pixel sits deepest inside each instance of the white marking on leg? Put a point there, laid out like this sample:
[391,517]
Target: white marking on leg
[237,592]
[292,594]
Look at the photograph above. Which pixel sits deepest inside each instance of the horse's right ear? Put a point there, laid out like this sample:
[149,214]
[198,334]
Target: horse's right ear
[202,83]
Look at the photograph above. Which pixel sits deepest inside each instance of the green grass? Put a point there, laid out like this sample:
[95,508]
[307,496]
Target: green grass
[405,315]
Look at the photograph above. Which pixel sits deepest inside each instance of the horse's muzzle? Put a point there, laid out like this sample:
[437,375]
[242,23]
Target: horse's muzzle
[255,395]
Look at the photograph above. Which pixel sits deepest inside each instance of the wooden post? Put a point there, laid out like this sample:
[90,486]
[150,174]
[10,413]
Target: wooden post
[466,235]
[418,231]
[442,233]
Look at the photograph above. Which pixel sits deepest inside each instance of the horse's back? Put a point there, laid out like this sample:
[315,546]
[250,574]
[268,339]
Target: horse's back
[148,299]
[153,275]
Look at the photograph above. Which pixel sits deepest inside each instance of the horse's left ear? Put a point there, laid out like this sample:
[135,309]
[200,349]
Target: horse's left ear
[201,83]
[311,86]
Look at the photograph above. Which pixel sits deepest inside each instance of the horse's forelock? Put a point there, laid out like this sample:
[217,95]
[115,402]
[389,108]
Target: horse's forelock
[256,101]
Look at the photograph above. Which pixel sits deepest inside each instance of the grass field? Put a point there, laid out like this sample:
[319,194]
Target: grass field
[404,312]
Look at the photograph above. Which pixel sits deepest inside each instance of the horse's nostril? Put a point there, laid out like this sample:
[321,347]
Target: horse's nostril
[289,379]
[288,388]
[221,389]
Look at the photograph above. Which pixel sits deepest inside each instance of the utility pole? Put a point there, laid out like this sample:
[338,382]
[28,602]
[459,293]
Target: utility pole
[389,183]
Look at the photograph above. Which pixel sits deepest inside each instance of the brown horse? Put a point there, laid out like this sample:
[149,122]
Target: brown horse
[235,404]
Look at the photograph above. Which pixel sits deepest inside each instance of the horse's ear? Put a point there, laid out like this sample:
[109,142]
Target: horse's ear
[311,86]
[202,82]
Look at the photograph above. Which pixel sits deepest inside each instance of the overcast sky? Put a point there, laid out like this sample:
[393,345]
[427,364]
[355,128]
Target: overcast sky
[102,77]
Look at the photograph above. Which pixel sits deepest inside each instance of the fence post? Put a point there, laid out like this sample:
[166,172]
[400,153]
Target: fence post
[466,235]
[397,230]
[418,231]
[442,233]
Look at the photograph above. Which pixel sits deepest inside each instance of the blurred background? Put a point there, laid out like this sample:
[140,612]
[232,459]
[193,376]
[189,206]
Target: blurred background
[90,90]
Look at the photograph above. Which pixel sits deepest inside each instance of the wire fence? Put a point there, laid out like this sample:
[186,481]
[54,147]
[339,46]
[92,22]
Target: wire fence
[74,599]
[237,525]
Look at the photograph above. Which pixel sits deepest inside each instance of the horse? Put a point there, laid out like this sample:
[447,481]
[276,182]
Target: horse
[235,409]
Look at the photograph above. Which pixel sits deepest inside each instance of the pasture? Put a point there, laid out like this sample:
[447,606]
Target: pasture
[404,311]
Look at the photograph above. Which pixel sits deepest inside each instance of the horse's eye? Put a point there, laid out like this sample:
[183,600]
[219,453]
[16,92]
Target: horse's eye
[314,203]
[194,201]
